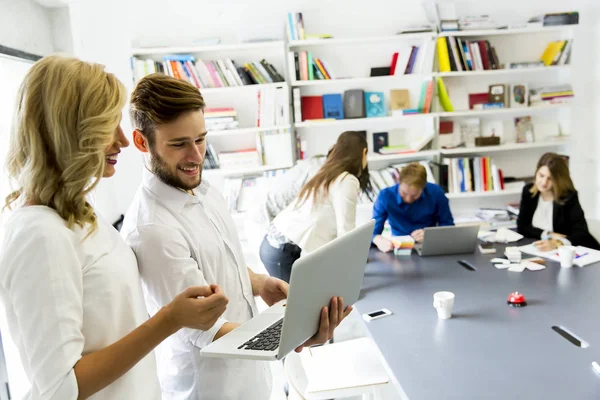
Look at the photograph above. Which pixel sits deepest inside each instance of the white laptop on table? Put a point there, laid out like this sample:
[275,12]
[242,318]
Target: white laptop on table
[446,240]
[336,269]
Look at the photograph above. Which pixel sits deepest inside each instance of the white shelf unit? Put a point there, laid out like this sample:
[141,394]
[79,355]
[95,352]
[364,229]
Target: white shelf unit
[360,40]
[472,195]
[511,31]
[504,71]
[245,131]
[244,99]
[225,173]
[502,147]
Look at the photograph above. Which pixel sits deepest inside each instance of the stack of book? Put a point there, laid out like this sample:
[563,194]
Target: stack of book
[557,53]
[309,68]
[476,22]
[456,54]
[220,119]
[556,94]
[403,245]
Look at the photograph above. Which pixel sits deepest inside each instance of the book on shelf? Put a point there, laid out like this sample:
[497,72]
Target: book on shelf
[208,73]
[457,54]
[468,175]
[557,52]
[555,94]
[295,26]
[272,107]
[211,159]
[306,67]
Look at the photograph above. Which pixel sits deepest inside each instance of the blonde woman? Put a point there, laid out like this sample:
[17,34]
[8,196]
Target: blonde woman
[69,283]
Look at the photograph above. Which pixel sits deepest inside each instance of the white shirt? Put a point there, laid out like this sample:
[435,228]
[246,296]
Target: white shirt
[180,241]
[311,224]
[66,296]
[543,215]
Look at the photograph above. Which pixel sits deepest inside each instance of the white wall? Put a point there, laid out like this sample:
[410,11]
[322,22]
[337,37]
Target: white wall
[151,23]
[25,25]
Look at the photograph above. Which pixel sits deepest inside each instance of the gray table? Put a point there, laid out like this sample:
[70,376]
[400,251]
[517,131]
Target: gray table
[487,350]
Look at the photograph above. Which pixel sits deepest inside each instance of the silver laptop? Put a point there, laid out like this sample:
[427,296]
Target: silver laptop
[446,240]
[336,269]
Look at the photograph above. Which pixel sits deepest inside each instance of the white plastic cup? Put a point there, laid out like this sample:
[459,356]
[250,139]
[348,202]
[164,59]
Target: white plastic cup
[443,303]
[566,255]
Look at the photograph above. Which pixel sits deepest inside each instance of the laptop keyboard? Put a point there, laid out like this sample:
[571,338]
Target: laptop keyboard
[267,340]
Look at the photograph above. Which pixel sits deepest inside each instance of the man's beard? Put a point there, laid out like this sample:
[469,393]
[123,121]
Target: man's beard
[161,170]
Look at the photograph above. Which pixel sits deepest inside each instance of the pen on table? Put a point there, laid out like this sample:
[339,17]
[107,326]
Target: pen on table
[581,255]
[596,367]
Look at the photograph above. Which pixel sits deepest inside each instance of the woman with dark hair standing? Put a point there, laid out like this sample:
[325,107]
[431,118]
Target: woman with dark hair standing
[324,209]
[550,209]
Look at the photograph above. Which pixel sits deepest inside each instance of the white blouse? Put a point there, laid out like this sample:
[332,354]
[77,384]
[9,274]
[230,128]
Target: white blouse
[311,224]
[66,296]
[543,215]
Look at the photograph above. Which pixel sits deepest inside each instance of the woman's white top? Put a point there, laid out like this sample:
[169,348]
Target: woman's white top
[542,217]
[311,224]
[66,296]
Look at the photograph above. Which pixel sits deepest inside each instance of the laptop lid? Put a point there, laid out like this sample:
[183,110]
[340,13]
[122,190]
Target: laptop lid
[335,269]
[446,240]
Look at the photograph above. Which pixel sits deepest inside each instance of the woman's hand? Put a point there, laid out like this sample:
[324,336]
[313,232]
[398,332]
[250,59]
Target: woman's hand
[547,245]
[198,307]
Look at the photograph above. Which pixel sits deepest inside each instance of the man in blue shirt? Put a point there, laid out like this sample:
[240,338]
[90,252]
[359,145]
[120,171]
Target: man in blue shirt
[410,206]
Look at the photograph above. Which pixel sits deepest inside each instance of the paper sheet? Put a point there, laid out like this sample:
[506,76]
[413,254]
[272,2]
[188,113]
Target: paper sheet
[584,256]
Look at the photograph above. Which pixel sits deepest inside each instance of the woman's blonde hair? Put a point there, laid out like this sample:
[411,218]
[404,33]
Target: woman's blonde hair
[66,117]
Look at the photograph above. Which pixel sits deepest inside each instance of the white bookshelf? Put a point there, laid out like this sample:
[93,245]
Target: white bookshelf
[245,131]
[503,147]
[507,111]
[567,29]
[226,173]
[217,48]
[244,88]
[473,195]
[417,155]
[505,71]
[360,40]
[393,79]
[352,73]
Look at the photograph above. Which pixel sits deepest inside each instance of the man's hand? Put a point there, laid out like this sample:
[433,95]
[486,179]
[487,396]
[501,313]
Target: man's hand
[547,245]
[383,244]
[273,290]
[418,235]
[330,319]
[558,236]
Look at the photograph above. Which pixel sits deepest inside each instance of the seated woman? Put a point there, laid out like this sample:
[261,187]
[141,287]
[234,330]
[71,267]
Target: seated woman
[550,209]
[324,209]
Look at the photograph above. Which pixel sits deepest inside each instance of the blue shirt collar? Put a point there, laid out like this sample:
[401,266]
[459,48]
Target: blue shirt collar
[399,198]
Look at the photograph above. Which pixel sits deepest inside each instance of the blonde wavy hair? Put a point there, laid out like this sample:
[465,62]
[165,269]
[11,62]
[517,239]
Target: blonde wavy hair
[66,117]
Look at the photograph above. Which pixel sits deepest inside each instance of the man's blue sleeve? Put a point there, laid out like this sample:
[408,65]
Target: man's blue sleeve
[380,213]
[443,209]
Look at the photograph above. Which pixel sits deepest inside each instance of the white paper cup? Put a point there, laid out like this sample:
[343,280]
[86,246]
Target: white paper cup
[567,255]
[443,303]
[514,256]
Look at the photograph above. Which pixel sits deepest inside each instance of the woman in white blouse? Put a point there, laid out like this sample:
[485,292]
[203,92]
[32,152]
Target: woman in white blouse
[324,209]
[68,282]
